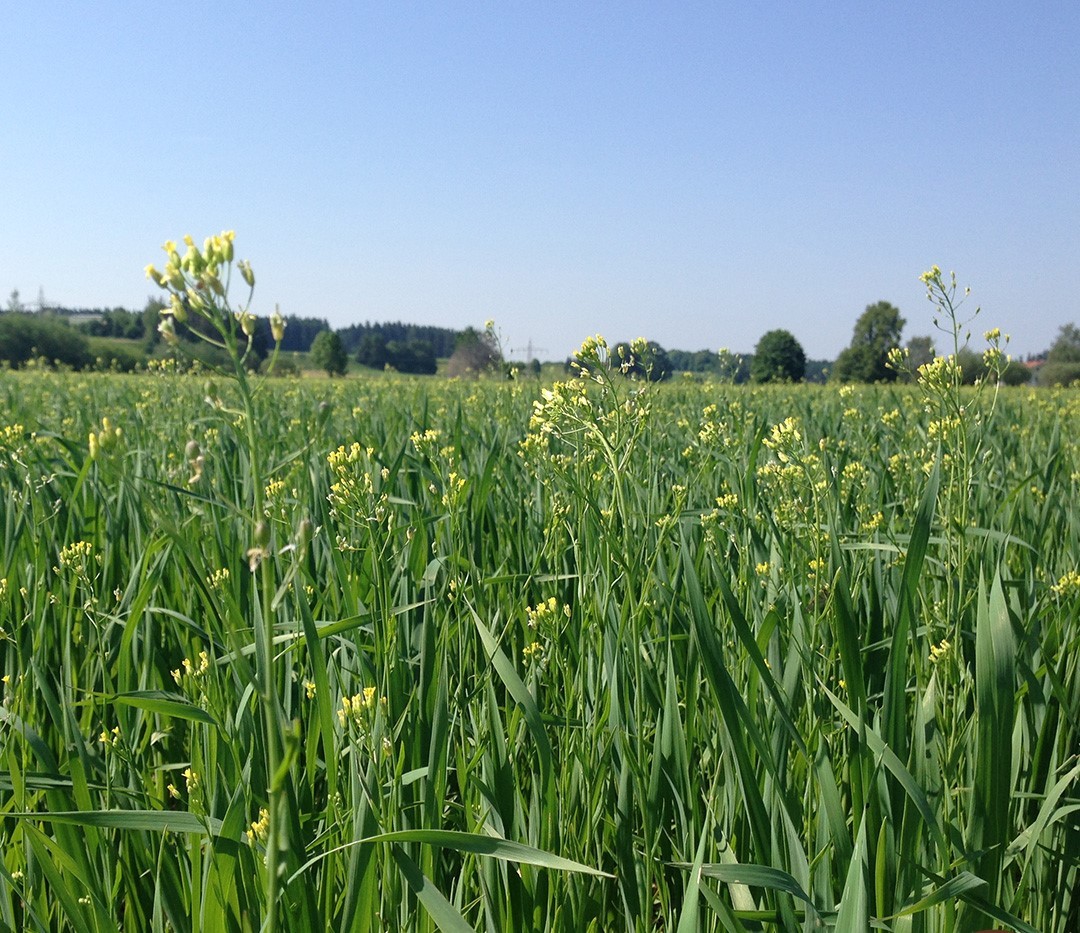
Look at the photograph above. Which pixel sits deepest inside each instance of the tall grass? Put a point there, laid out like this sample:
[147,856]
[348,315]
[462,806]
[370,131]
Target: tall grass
[609,657]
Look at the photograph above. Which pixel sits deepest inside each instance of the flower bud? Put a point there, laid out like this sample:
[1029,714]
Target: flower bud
[262,534]
[168,331]
[245,270]
[211,281]
[154,276]
[277,325]
[177,308]
[95,449]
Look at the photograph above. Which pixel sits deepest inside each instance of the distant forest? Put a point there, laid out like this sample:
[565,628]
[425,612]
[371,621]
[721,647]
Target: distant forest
[300,332]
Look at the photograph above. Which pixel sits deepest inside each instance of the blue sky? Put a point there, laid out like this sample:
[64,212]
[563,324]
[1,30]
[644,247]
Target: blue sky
[696,173]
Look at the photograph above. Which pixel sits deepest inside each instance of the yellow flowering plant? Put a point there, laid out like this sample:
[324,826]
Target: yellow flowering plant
[198,285]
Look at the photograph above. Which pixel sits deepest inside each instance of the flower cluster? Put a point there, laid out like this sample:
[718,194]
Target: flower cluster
[1067,585]
[190,670]
[103,440]
[198,285]
[75,558]
[361,708]
[940,651]
[784,440]
[260,828]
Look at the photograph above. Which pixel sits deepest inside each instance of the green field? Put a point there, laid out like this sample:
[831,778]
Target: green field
[598,657]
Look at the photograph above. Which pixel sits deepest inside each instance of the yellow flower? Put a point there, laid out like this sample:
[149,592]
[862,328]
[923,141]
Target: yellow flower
[939,651]
[1067,585]
[260,829]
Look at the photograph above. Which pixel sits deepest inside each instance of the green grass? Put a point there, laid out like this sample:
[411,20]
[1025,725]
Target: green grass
[646,664]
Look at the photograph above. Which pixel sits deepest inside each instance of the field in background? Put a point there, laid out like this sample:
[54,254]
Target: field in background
[591,658]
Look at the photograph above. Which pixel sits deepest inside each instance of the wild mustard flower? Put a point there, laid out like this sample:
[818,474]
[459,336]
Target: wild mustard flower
[533,651]
[784,438]
[219,579]
[1067,585]
[940,651]
[360,709]
[260,828]
[191,670]
[542,613]
[75,557]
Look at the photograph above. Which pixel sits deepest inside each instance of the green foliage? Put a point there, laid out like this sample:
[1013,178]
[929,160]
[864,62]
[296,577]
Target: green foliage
[1059,374]
[25,337]
[643,359]
[476,353]
[410,356]
[1062,366]
[443,340]
[1066,346]
[1016,374]
[778,357]
[876,333]
[725,365]
[920,351]
[115,354]
[662,626]
[328,353]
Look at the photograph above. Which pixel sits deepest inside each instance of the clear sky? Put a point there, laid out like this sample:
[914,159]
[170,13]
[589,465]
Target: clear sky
[693,172]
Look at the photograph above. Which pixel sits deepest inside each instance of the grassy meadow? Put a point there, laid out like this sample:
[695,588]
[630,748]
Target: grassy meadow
[392,653]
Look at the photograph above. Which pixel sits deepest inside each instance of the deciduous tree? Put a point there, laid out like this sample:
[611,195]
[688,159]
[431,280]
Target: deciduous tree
[328,352]
[876,332]
[778,357]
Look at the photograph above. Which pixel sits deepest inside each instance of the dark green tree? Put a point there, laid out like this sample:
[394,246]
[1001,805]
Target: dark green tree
[372,350]
[412,356]
[778,357]
[876,333]
[328,352]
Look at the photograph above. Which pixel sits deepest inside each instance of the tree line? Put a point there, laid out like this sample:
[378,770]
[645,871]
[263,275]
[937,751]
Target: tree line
[59,335]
